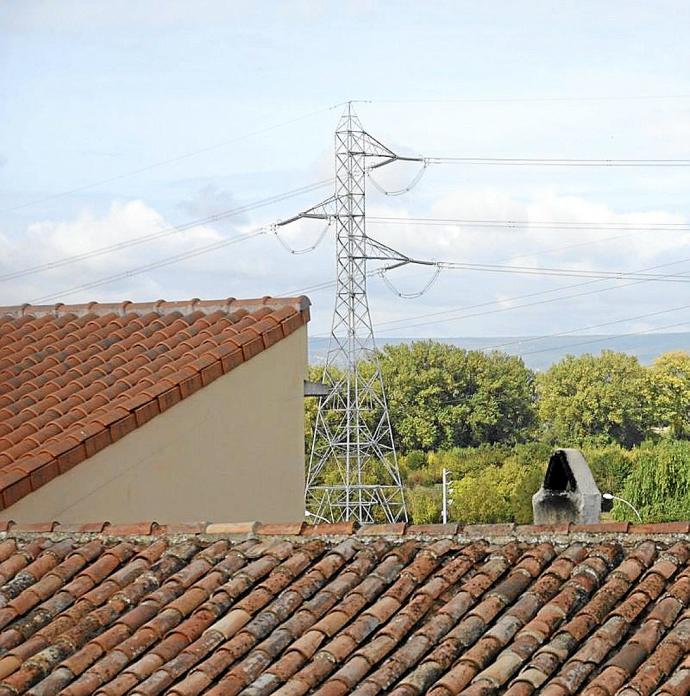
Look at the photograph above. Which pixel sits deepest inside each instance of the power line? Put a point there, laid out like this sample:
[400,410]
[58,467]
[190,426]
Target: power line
[521,306]
[318,287]
[561,272]
[536,224]
[304,250]
[443,315]
[50,265]
[540,252]
[557,162]
[153,266]
[599,339]
[532,339]
[541,292]
[502,100]
[171,160]
[500,223]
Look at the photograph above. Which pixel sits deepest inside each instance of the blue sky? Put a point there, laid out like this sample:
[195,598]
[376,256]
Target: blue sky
[92,91]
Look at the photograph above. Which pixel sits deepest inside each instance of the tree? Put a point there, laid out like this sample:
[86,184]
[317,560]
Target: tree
[602,397]
[441,396]
[659,484]
[670,392]
[610,465]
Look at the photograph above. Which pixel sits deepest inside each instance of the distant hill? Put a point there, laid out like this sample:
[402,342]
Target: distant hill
[540,354]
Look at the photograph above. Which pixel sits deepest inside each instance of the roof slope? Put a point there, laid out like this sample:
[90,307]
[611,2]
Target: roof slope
[74,378]
[295,610]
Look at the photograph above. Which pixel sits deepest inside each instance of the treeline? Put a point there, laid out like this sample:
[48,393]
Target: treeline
[493,422]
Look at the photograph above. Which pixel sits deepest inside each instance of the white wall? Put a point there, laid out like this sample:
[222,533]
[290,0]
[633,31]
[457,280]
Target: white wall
[233,451]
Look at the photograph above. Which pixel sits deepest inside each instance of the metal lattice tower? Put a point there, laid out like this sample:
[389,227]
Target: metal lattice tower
[353,472]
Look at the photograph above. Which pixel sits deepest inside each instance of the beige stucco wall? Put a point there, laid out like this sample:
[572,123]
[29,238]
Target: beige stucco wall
[233,451]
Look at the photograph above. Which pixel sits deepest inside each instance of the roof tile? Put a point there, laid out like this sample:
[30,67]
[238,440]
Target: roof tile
[75,378]
[149,609]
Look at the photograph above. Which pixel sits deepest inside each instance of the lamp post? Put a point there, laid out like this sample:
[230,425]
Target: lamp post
[318,518]
[610,496]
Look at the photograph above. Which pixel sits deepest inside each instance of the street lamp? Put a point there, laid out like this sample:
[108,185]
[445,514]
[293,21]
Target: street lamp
[610,496]
[316,517]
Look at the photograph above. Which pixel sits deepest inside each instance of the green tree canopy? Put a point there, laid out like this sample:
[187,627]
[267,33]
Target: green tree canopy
[670,392]
[441,396]
[603,397]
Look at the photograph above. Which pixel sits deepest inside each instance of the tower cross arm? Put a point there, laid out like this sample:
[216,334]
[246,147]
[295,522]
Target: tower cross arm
[375,148]
[320,211]
[387,253]
[397,158]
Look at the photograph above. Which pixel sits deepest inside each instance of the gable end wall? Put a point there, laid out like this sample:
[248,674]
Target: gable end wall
[232,451]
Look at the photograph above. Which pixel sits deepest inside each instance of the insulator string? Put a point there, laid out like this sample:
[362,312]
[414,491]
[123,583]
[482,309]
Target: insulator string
[305,250]
[416,179]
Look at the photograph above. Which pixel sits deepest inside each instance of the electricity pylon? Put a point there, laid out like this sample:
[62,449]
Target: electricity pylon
[353,471]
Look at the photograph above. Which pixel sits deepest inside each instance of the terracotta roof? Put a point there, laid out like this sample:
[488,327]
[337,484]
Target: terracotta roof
[75,378]
[290,609]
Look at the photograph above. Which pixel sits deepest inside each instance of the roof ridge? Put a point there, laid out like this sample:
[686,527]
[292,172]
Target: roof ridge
[303,529]
[298,302]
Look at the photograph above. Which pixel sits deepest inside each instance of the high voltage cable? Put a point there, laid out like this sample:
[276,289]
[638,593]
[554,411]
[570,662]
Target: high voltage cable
[538,252]
[153,266]
[443,315]
[501,100]
[165,231]
[522,306]
[535,224]
[406,325]
[171,160]
[318,287]
[586,227]
[545,337]
[525,305]
[561,272]
[557,162]
[599,339]
[543,292]
[306,189]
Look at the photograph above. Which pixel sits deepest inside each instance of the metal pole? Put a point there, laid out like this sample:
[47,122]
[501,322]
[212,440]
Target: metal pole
[445,496]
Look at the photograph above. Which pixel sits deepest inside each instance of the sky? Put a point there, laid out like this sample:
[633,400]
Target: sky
[137,118]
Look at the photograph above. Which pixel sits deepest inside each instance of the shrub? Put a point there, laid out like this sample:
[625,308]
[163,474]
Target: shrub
[424,505]
[497,493]
[659,484]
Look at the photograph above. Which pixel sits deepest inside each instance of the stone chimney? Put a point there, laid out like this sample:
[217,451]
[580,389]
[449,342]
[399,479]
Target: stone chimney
[569,492]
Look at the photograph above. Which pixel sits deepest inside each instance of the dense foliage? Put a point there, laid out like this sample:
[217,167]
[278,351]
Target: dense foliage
[670,392]
[493,423]
[595,397]
[440,396]
[659,482]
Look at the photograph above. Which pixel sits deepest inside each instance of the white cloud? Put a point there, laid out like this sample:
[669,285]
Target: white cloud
[250,267]
[613,247]
[50,241]
[459,293]
[260,266]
